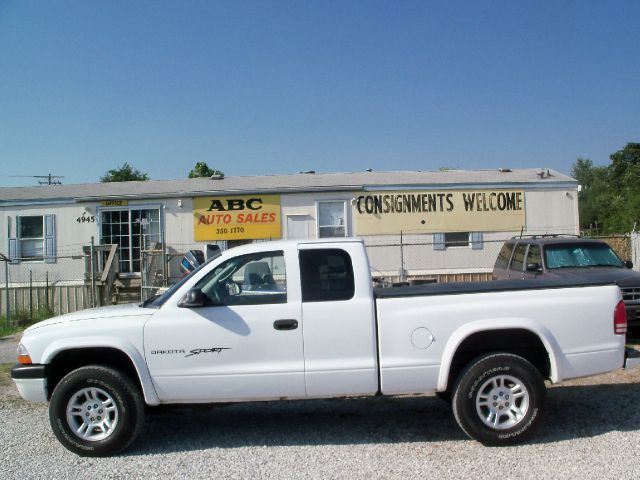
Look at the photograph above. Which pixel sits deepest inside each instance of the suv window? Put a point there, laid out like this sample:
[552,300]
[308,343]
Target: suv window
[518,257]
[327,275]
[581,255]
[534,256]
[504,256]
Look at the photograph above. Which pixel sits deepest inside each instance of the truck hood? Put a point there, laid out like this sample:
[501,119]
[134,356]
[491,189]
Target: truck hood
[120,311]
[618,276]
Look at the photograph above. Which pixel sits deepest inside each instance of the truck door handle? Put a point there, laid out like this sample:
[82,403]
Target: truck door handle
[285,324]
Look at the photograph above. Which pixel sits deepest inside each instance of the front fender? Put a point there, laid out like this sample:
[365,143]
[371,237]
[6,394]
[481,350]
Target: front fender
[129,349]
[465,331]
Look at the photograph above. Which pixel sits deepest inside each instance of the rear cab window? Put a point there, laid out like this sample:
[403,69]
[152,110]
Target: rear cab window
[326,275]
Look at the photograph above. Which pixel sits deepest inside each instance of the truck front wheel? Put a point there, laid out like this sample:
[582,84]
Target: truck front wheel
[498,399]
[96,411]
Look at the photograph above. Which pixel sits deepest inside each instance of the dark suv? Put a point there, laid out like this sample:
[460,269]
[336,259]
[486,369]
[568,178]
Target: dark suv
[566,257]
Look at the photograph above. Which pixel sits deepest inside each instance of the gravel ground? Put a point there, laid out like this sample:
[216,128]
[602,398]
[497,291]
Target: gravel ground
[591,430]
[8,347]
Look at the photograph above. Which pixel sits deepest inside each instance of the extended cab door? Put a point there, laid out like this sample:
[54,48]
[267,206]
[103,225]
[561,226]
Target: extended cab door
[243,343]
[339,320]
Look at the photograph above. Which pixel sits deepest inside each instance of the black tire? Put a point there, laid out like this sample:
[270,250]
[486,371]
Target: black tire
[480,406]
[444,396]
[96,411]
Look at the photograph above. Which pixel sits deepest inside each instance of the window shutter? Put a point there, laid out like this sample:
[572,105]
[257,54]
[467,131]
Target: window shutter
[438,241]
[50,238]
[14,251]
[477,242]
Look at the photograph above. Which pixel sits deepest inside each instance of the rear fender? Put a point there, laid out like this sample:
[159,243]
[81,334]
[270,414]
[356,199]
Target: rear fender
[465,331]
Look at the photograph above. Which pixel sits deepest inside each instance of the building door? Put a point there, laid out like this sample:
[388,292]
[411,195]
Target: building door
[134,230]
[298,226]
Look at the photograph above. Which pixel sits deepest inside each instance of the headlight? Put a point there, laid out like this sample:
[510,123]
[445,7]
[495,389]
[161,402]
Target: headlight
[23,355]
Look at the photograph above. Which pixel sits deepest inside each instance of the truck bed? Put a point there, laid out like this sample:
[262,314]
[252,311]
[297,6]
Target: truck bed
[460,288]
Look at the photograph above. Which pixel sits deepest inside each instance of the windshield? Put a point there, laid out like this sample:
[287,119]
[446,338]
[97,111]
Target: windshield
[158,300]
[581,255]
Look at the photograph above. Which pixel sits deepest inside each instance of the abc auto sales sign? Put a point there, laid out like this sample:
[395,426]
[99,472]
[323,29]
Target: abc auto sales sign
[236,217]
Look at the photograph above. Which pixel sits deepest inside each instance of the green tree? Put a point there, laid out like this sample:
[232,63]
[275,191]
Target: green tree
[202,170]
[625,165]
[124,173]
[610,197]
[624,179]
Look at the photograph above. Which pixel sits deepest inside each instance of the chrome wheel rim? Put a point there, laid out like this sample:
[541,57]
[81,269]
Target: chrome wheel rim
[92,414]
[502,402]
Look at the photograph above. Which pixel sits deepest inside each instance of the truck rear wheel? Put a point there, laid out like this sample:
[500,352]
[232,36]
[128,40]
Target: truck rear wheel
[96,411]
[498,399]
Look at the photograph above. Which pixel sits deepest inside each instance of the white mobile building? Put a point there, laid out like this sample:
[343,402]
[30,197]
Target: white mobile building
[440,225]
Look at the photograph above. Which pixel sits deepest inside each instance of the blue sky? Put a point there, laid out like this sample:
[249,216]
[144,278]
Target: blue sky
[266,87]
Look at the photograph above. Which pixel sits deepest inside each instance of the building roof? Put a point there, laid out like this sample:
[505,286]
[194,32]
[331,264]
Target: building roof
[291,183]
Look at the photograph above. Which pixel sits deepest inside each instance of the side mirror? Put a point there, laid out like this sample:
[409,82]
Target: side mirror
[628,263]
[193,299]
[534,267]
[234,289]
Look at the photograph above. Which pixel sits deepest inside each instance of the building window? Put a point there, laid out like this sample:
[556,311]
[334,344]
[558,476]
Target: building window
[442,241]
[31,234]
[332,219]
[456,239]
[133,230]
[34,240]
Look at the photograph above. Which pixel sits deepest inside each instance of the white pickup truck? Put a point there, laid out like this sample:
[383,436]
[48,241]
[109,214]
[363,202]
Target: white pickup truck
[299,320]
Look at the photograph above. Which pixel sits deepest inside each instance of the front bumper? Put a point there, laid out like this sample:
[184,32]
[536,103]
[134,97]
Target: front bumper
[31,381]
[631,358]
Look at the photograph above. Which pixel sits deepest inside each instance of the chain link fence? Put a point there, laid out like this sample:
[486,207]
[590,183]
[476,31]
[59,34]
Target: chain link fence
[34,290]
[416,259]
[155,274]
[621,244]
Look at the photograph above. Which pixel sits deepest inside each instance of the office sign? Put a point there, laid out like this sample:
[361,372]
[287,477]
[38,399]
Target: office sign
[250,217]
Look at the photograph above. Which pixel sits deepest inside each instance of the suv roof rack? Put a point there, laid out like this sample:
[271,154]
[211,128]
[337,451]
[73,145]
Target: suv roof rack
[548,235]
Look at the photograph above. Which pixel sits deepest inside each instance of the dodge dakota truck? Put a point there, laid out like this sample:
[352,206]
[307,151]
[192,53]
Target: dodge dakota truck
[300,320]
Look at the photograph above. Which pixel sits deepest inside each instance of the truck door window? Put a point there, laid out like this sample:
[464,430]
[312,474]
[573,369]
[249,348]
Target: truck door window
[254,279]
[518,258]
[326,275]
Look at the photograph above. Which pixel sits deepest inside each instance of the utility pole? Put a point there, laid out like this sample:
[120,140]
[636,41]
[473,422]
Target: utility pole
[46,179]
[49,179]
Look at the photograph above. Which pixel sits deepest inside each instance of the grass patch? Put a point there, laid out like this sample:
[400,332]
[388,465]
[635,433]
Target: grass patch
[21,320]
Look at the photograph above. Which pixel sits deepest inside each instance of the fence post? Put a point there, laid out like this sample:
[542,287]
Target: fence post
[401,258]
[46,291]
[30,294]
[635,249]
[93,275]
[163,258]
[6,289]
